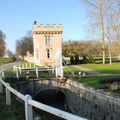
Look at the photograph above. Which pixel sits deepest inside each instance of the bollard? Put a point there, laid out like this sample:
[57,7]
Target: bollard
[79,75]
[28,108]
[84,74]
[8,95]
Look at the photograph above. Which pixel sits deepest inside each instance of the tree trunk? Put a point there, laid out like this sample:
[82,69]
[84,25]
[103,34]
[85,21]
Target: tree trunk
[102,31]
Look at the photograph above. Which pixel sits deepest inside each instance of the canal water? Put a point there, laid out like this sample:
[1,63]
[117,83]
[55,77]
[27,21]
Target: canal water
[54,98]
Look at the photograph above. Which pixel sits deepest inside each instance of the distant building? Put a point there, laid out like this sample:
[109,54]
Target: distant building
[46,39]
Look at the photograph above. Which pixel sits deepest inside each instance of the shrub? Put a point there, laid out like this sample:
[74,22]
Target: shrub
[71,60]
[76,59]
[91,59]
[84,59]
[111,80]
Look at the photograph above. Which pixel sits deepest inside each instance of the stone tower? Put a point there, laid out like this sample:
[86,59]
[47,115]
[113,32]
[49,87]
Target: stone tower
[46,39]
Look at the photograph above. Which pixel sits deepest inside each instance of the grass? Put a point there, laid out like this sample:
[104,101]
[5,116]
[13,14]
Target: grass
[69,69]
[92,81]
[5,60]
[12,112]
[114,68]
[24,63]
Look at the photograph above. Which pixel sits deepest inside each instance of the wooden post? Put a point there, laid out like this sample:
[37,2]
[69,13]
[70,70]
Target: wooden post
[1,88]
[17,74]
[79,75]
[3,73]
[28,108]
[8,95]
[37,74]
[20,70]
[27,77]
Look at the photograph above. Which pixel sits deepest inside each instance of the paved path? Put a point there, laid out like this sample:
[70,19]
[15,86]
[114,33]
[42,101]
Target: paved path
[8,65]
[87,70]
[93,72]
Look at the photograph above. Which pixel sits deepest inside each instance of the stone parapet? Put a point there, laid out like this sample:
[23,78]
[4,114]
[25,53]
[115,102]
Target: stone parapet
[47,29]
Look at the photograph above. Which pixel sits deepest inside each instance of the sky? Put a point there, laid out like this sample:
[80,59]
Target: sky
[17,17]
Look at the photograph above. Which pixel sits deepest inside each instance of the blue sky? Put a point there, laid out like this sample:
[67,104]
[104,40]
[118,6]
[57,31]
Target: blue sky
[17,17]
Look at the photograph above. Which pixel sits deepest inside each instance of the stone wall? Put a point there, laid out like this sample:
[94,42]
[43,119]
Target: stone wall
[82,100]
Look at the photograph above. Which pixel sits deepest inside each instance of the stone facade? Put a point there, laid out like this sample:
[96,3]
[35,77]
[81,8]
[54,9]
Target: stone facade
[46,40]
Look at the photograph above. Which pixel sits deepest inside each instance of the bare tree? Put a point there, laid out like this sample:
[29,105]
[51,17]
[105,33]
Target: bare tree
[2,43]
[24,44]
[97,5]
[106,19]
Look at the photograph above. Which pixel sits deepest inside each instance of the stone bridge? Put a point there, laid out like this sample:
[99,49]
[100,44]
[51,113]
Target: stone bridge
[81,100]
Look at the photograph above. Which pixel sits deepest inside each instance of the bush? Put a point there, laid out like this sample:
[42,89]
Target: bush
[13,58]
[76,59]
[71,60]
[91,59]
[103,86]
[84,59]
[111,80]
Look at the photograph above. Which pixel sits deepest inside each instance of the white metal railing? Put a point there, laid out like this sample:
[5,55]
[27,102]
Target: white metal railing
[29,103]
[20,69]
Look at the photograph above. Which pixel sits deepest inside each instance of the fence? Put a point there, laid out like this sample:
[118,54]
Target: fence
[29,103]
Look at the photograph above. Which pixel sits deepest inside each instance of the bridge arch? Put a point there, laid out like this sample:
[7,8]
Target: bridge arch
[53,97]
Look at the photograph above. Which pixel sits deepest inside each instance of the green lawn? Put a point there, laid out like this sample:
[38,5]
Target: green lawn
[12,112]
[104,68]
[69,69]
[5,60]
[93,80]
[25,63]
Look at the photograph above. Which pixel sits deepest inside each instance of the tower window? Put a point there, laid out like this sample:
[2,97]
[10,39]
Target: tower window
[48,53]
[47,40]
